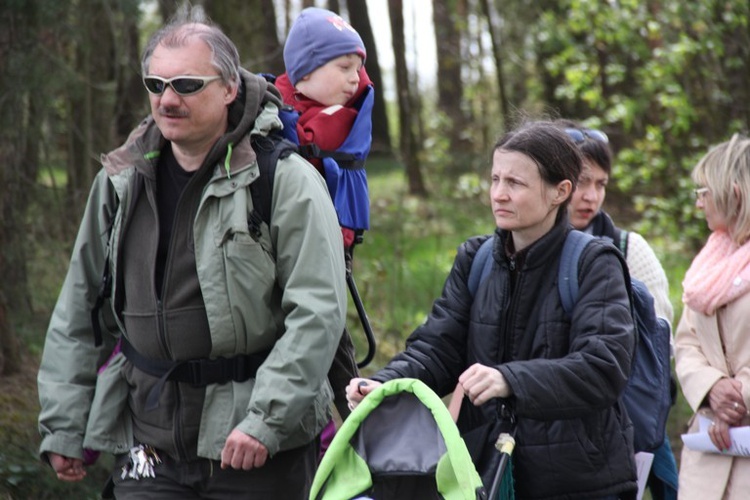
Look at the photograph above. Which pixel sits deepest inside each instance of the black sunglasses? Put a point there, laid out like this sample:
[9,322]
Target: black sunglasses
[580,135]
[182,85]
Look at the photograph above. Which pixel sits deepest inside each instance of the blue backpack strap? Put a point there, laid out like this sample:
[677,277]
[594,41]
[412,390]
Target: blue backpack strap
[348,186]
[289,117]
[481,265]
[567,273]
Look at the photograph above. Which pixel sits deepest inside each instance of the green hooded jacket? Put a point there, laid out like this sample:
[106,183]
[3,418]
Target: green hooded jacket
[285,292]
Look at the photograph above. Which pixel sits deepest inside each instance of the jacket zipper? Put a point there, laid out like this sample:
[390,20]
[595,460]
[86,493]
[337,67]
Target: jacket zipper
[512,306]
[176,422]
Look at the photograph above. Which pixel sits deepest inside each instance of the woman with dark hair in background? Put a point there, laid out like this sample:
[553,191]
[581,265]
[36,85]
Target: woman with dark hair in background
[587,215]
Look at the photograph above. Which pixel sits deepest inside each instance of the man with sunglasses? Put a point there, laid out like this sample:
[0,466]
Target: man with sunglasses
[227,334]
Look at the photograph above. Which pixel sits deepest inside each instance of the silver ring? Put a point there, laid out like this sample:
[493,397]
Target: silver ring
[350,405]
[736,406]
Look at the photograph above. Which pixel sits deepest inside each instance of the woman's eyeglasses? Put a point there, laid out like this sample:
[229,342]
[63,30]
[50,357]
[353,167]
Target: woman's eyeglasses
[701,193]
[580,135]
[182,85]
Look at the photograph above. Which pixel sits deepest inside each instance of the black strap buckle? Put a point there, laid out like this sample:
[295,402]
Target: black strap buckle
[202,372]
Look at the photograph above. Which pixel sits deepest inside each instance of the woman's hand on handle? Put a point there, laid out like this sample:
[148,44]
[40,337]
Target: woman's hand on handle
[482,383]
[358,388]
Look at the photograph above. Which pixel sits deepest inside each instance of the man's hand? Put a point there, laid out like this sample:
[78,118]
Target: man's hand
[67,469]
[242,451]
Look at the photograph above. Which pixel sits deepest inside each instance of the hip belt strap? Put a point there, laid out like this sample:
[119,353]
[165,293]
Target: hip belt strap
[198,372]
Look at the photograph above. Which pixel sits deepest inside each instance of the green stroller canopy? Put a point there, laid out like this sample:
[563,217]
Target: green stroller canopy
[400,442]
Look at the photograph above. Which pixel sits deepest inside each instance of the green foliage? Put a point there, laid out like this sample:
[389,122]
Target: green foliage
[666,79]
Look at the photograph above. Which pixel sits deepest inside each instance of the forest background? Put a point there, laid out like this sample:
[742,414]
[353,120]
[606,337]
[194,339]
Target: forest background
[665,79]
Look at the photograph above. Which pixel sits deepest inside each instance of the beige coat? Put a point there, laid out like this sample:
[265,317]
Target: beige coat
[700,345]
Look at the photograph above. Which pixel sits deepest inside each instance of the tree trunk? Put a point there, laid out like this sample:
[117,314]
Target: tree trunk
[408,144]
[251,25]
[488,9]
[90,104]
[359,18]
[130,98]
[168,8]
[447,22]
[16,51]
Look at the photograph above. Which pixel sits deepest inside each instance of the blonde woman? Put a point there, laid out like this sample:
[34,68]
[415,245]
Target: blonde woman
[712,342]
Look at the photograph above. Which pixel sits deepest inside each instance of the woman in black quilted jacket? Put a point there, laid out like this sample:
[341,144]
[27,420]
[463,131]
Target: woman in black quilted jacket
[511,347]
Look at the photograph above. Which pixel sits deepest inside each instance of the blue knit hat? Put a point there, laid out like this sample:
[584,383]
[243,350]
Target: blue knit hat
[316,37]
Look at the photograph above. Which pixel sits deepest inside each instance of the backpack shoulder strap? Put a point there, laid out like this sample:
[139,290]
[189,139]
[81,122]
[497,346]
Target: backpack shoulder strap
[567,279]
[344,160]
[622,244]
[481,265]
[269,149]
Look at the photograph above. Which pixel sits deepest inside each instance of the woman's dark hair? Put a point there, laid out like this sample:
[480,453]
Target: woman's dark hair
[554,153]
[592,148]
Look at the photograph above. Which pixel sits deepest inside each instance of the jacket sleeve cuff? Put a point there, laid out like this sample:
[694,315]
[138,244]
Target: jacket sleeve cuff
[504,388]
[65,445]
[255,427]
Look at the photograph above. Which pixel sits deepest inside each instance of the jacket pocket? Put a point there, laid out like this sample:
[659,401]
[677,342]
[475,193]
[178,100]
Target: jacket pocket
[251,292]
[247,258]
[109,426]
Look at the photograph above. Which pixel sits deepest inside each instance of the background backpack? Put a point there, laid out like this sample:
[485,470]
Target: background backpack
[344,168]
[647,396]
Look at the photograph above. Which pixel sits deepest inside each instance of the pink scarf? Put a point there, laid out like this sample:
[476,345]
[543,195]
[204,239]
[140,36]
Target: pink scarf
[718,275]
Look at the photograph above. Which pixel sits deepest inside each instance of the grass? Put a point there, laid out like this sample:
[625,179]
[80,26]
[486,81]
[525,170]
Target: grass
[407,254]
[22,474]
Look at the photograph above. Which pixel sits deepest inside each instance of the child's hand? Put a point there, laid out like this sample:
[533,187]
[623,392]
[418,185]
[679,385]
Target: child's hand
[349,236]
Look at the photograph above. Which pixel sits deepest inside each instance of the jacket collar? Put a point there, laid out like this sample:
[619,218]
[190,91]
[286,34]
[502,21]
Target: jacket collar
[542,250]
[602,225]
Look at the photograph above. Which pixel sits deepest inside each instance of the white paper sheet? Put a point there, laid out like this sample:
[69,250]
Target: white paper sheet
[643,461]
[699,441]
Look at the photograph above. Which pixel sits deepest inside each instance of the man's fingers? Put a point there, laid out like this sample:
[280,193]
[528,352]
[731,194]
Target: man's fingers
[260,458]
[226,458]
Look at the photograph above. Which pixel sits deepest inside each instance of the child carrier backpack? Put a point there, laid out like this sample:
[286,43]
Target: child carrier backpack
[647,396]
[346,179]
[399,443]
[344,168]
